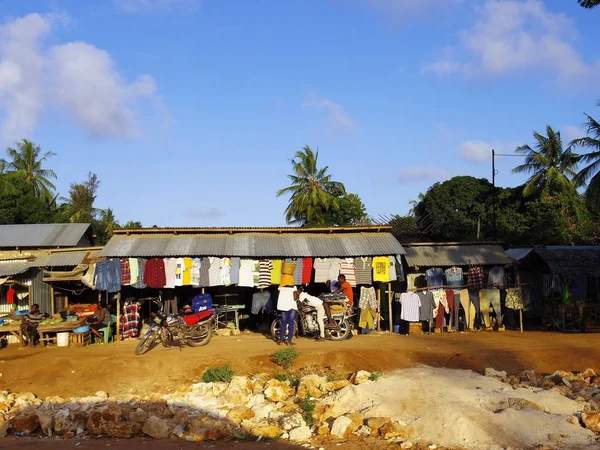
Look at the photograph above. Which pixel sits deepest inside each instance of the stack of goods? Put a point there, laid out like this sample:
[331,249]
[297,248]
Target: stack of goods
[83,311]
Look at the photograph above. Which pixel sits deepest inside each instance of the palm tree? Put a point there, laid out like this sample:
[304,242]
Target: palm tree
[311,190]
[552,168]
[591,172]
[6,181]
[109,222]
[589,3]
[27,161]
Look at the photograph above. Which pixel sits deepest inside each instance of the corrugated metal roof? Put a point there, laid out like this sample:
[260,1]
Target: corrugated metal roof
[254,245]
[518,253]
[8,269]
[455,255]
[64,259]
[581,260]
[42,235]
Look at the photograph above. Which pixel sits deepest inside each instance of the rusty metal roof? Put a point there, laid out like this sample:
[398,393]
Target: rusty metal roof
[253,245]
[64,259]
[42,235]
[448,255]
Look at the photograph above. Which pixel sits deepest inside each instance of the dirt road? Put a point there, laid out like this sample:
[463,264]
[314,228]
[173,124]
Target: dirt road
[114,367]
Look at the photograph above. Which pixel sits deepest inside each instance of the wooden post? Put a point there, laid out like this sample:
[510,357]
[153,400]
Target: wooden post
[52,305]
[378,315]
[521,319]
[100,297]
[66,300]
[391,319]
[520,310]
[118,328]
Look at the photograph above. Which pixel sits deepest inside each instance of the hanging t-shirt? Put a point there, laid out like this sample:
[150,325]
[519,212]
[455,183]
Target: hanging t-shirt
[214,272]
[427,305]
[334,269]
[170,265]
[411,304]
[195,272]
[225,271]
[381,268]
[297,270]
[234,272]
[363,270]
[187,271]
[134,270]
[307,266]
[276,271]
[154,274]
[204,272]
[400,269]
[321,266]
[179,269]
[264,273]
[393,275]
[347,269]
[10,296]
[125,272]
[246,277]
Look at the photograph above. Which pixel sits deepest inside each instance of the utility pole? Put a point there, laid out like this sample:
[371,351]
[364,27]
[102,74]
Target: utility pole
[494,193]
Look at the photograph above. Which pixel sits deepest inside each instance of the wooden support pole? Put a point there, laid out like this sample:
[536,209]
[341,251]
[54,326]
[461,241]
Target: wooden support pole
[521,319]
[391,318]
[520,310]
[52,302]
[378,315]
[118,329]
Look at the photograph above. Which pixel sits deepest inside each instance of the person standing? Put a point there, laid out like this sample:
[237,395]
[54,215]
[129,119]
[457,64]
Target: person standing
[287,306]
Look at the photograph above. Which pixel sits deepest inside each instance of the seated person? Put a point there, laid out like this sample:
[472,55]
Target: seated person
[30,323]
[345,289]
[322,308]
[100,320]
[333,285]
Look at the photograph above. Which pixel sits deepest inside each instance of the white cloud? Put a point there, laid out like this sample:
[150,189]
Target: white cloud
[515,36]
[475,151]
[76,78]
[571,132]
[148,6]
[336,117]
[423,173]
[204,213]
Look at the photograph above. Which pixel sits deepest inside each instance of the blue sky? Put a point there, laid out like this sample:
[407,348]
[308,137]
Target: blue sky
[189,110]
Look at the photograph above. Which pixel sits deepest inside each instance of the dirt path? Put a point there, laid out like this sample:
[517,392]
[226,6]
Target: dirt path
[115,369]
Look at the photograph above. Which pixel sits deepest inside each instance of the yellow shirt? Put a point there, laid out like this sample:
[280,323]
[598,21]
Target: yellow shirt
[381,268]
[276,272]
[187,272]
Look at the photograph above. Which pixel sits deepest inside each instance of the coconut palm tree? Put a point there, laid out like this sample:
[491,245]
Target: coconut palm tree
[591,172]
[27,161]
[312,191]
[108,221]
[552,169]
[6,180]
[589,3]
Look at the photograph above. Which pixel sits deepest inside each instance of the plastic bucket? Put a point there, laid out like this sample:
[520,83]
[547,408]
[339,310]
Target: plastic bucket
[62,339]
[397,329]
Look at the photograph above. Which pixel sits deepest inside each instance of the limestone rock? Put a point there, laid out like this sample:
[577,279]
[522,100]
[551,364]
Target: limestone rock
[589,373]
[223,332]
[239,413]
[25,424]
[489,372]
[241,382]
[206,428]
[324,413]
[278,391]
[263,411]
[357,421]
[98,420]
[341,427]
[57,399]
[547,384]
[521,404]
[336,385]
[375,424]
[362,376]
[313,385]
[363,431]
[302,433]
[267,431]
[137,416]
[573,420]
[292,421]
[123,430]
[592,421]
[234,395]
[256,399]
[406,445]
[66,422]
[46,419]
[157,428]
[393,430]
[323,430]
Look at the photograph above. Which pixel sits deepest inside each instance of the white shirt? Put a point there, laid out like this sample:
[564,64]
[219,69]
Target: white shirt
[334,269]
[170,272]
[311,300]
[285,300]
[322,266]
[411,304]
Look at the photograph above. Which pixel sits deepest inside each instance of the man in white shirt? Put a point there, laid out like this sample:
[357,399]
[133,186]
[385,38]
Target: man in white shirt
[316,303]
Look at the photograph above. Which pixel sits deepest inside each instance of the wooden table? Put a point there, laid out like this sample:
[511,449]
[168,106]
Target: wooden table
[43,330]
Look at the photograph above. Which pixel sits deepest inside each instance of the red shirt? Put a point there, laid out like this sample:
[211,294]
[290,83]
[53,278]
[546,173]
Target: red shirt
[347,290]
[307,266]
[154,273]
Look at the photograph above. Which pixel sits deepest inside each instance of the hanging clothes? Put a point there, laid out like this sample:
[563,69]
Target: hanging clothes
[476,278]
[89,278]
[468,308]
[400,269]
[307,267]
[367,317]
[381,268]
[454,277]
[234,271]
[393,274]
[108,275]
[321,266]
[276,271]
[214,272]
[298,270]
[170,275]
[411,305]
[225,271]
[204,272]
[133,270]
[496,277]
[334,268]
[141,280]
[187,271]
[368,298]
[195,272]
[125,272]
[130,320]
[363,270]
[179,269]
[514,298]
[348,269]
[487,297]
[10,296]
[246,269]
[154,273]
[261,301]
[265,266]
[415,280]
[434,277]
[427,306]
[453,307]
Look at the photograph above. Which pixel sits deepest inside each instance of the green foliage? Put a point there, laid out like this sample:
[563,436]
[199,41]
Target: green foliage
[591,172]
[294,380]
[133,225]
[285,358]
[589,3]
[21,206]
[351,212]
[218,374]
[308,407]
[376,376]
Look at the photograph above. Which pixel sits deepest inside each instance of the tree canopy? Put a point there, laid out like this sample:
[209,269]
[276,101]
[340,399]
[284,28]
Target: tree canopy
[591,172]
[589,3]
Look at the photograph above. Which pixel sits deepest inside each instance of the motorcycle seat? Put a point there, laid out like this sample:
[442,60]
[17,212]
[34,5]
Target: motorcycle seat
[192,319]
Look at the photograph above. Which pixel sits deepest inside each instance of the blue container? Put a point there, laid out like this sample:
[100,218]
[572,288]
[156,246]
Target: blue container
[1,322]
[21,312]
[202,303]
[83,329]
[397,329]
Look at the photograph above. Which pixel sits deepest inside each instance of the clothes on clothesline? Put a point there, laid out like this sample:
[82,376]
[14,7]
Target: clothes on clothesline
[496,277]
[454,277]
[368,298]
[363,270]
[130,320]
[434,277]
[411,305]
[476,277]
[108,275]
[261,301]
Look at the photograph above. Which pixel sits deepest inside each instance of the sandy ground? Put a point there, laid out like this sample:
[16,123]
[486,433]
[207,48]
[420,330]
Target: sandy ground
[115,368]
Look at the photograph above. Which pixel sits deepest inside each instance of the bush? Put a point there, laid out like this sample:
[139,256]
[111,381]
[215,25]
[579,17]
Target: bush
[294,380]
[216,374]
[285,358]
[308,407]
[375,376]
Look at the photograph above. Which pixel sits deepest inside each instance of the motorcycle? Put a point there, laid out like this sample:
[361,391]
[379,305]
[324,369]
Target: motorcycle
[307,319]
[194,330]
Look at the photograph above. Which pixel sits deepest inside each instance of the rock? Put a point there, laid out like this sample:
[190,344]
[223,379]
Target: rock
[336,385]
[98,420]
[138,416]
[362,376]
[530,375]
[489,372]
[323,430]
[156,428]
[566,382]
[313,385]
[521,404]
[363,431]
[393,430]
[223,332]
[292,421]
[406,445]
[256,399]
[206,428]
[46,419]
[267,431]
[234,395]
[123,430]
[573,420]
[25,424]
[588,373]
[341,427]
[65,422]
[514,381]
[302,433]
[330,412]
[235,332]
[241,382]
[592,421]
[547,384]
[563,390]
[56,399]
[375,424]
[263,411]
[357,421]
[278,391]
[239,413]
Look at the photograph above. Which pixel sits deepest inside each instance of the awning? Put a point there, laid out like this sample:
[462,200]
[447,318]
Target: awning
[69,258]
[72,275]
[11,268]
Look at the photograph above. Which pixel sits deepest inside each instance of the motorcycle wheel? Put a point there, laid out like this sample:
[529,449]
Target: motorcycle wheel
[276,329]
[147,341]
[345,331]
[205,332]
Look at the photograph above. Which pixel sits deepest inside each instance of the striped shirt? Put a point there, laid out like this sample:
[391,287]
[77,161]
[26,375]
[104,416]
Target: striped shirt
[411,305]
[35,319]
[347,269]
[264,273]
[321,266]
[362,270]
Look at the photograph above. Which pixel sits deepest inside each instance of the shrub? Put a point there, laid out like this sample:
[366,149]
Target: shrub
[308,407]
[376,376]
[285,358]
[216,374]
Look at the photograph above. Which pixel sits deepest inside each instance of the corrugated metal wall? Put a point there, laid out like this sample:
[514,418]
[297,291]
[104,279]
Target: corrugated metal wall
[40,291]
